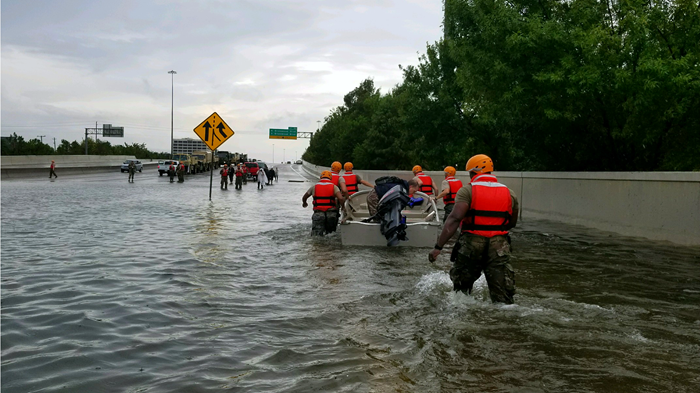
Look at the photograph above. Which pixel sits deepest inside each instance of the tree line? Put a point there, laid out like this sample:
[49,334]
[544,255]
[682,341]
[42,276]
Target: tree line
[555,85]
[15,145]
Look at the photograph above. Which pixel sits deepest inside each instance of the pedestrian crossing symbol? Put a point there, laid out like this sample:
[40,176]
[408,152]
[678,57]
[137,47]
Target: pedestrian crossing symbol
[213,131]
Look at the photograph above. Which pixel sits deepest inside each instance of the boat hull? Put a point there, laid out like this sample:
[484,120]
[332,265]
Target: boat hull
[423,234]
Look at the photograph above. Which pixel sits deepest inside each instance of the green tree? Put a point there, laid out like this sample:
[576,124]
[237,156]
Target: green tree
[537,85]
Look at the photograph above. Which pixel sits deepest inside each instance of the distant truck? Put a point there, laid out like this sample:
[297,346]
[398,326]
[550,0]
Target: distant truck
[224,157]
[204,160]
[164,165]
[185,159]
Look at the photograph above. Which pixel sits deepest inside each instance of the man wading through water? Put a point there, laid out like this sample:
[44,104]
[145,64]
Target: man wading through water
[327,198]
[486,210]
[224,177]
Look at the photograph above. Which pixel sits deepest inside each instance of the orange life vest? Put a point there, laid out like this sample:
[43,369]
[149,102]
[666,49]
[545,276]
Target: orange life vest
[350,182]
[491,207]
[336,179]
[427,186]
[224,172]
[455,185]
[239,173]
[324,197]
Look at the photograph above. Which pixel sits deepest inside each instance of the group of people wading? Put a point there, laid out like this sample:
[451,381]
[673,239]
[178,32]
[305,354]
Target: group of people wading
[484,211]
[240,172]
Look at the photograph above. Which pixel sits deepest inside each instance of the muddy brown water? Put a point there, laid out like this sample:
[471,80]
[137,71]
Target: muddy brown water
[149,287]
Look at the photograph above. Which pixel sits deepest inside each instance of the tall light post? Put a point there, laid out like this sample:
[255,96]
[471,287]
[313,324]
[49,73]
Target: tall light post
[172,101]
[273,153]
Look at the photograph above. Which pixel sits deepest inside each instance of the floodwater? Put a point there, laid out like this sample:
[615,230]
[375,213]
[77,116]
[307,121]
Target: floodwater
[149,287]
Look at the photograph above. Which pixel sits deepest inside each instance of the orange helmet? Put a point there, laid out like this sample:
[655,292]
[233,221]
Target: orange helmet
[417,169]
[348,166]
[336,166]
[450,170]
[480,163]
[327,174]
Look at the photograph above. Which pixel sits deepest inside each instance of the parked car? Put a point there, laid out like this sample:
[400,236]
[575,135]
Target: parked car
[252,170]
[164,165]
[299,162]
[125,165]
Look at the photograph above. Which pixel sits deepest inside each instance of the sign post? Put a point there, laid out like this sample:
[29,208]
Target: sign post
[213,131]
[211,178]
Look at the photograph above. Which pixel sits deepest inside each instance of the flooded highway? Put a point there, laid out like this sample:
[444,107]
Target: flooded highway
[149,287]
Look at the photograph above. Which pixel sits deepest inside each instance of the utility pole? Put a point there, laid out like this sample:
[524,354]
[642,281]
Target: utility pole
[318,127]
[54,144]
[172,102]
[41,137]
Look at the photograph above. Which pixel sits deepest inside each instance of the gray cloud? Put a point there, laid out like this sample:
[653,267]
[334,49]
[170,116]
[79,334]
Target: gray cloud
[259,64]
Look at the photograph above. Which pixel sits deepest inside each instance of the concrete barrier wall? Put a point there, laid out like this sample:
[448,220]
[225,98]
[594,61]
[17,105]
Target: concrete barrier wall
[11,162]
[655,205]
[18,167]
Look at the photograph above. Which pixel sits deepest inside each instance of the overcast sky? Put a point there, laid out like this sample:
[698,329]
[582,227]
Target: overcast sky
[260,64]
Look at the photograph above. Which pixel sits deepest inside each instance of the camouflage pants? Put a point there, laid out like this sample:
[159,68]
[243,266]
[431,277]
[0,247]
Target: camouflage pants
[448,210]
[490,255]
[324,222]
[372,202]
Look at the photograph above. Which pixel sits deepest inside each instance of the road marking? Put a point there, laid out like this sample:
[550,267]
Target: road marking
[302,175]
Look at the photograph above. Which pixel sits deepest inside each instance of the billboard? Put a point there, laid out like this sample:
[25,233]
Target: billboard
[109,131]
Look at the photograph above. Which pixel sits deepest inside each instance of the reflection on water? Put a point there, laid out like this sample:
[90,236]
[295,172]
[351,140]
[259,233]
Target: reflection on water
[112,287]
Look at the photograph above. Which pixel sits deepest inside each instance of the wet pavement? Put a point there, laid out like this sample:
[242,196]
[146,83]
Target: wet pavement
[149,287]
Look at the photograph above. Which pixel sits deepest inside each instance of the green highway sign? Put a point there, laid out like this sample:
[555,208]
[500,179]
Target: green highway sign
[283,133]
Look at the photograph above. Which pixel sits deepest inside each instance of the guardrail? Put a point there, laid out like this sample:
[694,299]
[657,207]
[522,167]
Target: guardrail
[654,205]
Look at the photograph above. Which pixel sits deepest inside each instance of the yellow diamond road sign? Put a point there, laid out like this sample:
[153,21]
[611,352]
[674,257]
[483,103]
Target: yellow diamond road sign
[213,131]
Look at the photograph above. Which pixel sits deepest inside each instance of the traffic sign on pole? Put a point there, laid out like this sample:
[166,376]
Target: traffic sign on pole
[213,131]
[283,133]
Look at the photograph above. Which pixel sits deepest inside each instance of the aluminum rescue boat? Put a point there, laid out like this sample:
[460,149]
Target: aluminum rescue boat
[422,223]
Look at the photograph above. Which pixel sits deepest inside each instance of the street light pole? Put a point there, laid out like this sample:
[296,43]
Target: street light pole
[172,101]
[273,153]
[42,138]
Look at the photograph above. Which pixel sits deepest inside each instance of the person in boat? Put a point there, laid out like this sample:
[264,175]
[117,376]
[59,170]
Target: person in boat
[338,179]
[449,188]
[487,210]
[326,199]
[426,182]
[353,180]
[383,185]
